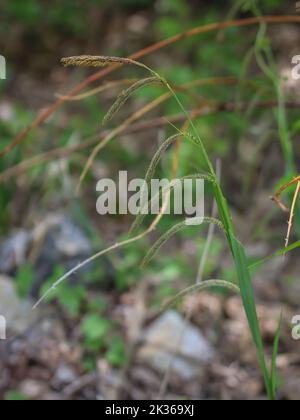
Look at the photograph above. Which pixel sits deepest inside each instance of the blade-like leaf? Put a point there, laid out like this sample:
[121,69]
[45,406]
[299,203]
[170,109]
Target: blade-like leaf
[279,253]
[248,298]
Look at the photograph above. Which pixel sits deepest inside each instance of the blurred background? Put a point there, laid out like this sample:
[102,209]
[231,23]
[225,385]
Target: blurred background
[103,333]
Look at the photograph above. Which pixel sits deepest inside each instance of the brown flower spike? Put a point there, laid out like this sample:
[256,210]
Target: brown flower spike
[94,61]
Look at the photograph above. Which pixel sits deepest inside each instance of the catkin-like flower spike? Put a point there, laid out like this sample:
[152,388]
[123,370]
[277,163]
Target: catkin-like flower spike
[158,156]
[126,94]
[171,232]
[95,61]
[149,175]
[103,61]
[203,286]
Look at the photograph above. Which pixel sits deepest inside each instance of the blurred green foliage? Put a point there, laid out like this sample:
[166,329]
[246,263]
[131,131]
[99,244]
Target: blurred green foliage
[15,396]
[72,16]
[24,280]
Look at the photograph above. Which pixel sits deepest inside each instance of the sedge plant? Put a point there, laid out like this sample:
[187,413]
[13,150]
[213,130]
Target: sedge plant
[243,283]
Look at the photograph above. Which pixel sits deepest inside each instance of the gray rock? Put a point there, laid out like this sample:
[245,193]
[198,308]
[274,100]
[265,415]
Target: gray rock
[291,290]
[13,251]
[168,333]
[68,239]
[56,241]
[18,313]
[59,238]
[33,389]
[266,280]
[63,244]
[64,375]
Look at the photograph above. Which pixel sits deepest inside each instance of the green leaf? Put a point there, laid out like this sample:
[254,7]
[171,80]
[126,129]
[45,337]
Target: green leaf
[58,272]
[95,327]
[248,298]
[279,253]
[15,396]
[98,304]
[167,27]
[24,280]
[71,297]
[116,354]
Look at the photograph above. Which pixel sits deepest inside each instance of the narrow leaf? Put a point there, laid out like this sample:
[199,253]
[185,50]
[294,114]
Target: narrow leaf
[279,253]
[248,298]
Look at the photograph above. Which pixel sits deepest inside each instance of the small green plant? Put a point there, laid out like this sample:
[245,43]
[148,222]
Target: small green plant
[15,396]
[97,330]
[70,297]
[98,334]
[116,354]
[24,280]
